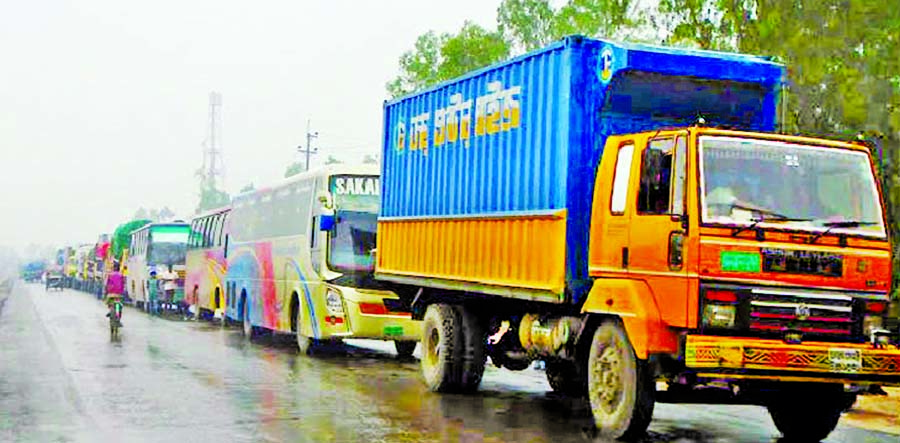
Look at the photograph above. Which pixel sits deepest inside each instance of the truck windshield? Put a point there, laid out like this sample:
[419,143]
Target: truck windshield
[751,181]
[352,240]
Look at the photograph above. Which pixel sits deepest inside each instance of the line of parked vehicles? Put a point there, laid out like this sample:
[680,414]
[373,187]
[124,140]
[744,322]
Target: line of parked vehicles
[569,206]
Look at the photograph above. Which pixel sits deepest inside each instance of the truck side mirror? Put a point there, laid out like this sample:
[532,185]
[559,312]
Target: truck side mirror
[326,222]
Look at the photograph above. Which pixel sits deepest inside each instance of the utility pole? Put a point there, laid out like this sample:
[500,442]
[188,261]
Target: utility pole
[308,149]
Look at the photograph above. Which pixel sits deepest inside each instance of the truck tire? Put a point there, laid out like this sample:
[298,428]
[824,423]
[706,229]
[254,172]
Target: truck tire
[405,348]
[620,387]
[565,378]
[471,366]
[807,413]
[442,346]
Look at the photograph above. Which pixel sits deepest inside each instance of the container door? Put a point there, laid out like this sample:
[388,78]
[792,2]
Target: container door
[658,226]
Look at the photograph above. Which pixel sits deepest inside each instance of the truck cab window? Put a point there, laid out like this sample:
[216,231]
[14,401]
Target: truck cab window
[621,179]
[654,196]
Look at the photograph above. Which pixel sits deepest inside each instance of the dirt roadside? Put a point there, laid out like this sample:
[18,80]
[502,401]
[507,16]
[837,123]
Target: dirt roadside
[876,412]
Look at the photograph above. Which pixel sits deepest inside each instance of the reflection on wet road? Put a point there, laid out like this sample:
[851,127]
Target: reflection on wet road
[61,379]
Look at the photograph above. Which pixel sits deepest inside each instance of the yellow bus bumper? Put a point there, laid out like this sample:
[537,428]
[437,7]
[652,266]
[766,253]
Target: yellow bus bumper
[751,358]
[366,316]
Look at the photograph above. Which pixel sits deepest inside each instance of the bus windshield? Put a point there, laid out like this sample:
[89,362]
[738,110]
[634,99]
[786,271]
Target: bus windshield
[168,245]
[796,186]
[352,240]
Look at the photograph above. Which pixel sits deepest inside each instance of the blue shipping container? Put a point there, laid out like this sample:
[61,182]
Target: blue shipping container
[523,139]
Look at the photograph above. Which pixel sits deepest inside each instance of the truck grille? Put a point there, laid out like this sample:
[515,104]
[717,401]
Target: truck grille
[808,312]
[772,312]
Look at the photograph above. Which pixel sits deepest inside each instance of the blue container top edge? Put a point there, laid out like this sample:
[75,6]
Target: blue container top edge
[477,72]
[580,39]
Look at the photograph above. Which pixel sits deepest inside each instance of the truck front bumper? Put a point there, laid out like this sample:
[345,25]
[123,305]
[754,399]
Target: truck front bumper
[750,358]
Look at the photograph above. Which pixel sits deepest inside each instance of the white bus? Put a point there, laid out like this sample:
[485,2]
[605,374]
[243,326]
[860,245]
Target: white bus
[156,248]
[300,260]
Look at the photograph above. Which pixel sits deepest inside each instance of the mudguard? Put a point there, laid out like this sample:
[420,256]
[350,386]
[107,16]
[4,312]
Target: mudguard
[633,302]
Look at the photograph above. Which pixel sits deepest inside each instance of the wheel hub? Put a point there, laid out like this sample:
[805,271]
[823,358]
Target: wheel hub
[607,371]
[433,347]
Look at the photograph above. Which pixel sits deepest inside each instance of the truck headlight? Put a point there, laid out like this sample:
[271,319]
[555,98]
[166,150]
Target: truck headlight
[719,316]
[333,303]
[720,308]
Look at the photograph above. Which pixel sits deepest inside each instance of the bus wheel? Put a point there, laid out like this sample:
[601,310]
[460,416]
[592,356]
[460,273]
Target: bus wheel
[304,343]
[246,326]
[620,388]
[405,348]
[471,366]
[441,347]
[807,412]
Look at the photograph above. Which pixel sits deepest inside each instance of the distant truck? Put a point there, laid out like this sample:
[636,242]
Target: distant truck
[583,205]
[33,271]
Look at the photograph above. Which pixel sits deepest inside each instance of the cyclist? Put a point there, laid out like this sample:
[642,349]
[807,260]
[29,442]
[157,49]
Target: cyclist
[115,289]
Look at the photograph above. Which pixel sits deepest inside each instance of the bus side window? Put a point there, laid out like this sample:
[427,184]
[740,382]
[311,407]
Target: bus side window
[312,232]
[222,235]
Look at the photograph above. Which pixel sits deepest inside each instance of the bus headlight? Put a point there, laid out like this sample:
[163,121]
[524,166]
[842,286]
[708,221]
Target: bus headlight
[333,303]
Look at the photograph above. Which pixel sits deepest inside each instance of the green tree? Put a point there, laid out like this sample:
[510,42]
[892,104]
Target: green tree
[249,187]
[294,169]
[211,198]
[331,160]
[121,238]
[527,24]
[439,57]
[141,213]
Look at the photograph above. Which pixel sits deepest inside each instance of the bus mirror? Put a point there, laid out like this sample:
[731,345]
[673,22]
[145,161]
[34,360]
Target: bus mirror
[326,222]
[325,200]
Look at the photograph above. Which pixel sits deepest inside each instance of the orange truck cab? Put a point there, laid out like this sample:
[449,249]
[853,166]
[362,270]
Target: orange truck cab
[756,261]
[569,206]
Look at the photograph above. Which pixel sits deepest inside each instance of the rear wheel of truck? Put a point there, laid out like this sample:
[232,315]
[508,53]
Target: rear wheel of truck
[620,388]
[807,413]
[441,348]
[566,378]
[471,365]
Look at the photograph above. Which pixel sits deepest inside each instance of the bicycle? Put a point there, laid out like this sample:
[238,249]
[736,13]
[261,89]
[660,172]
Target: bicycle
[115,318]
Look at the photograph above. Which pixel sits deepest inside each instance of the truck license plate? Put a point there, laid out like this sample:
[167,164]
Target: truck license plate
[845,360]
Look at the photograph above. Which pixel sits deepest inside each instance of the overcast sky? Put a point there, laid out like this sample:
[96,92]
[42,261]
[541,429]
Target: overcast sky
[103,103]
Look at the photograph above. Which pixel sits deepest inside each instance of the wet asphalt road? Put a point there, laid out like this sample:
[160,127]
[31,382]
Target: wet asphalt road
[63,380]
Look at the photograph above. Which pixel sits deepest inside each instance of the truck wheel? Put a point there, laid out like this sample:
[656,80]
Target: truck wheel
[620,387]
[441,347]
[565,378]
[471,366]
[807,413]
[405,348]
